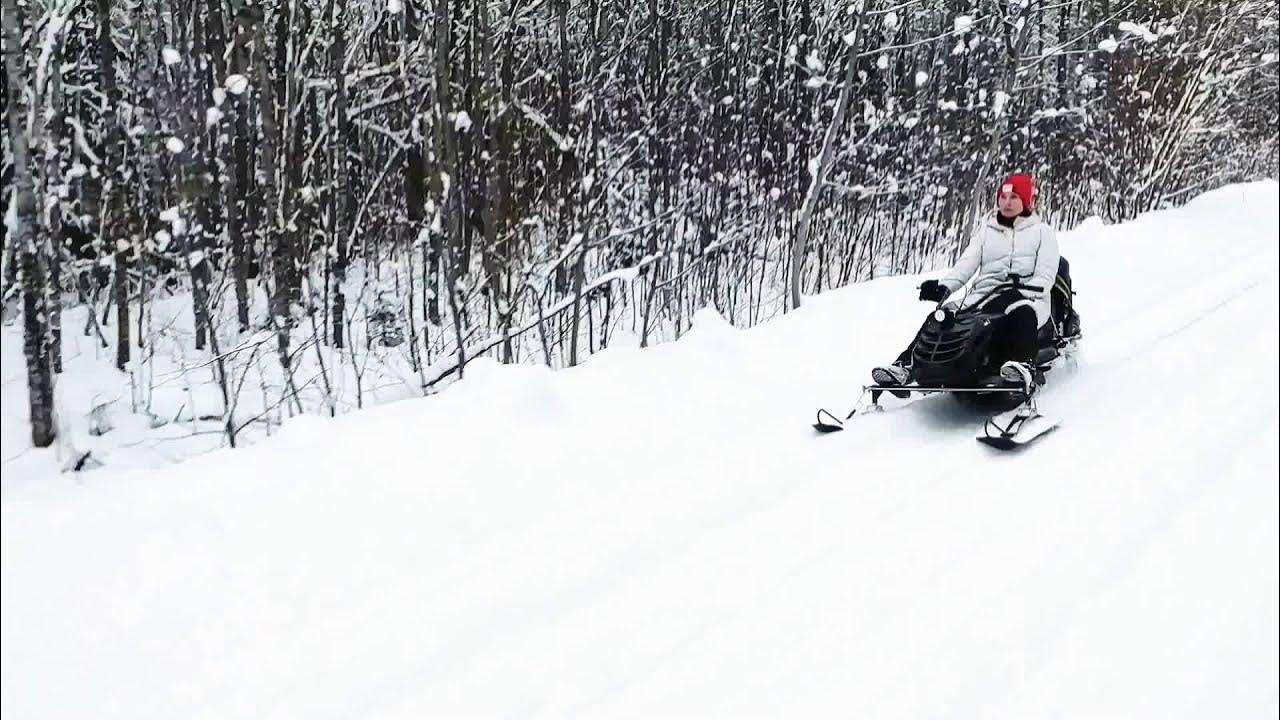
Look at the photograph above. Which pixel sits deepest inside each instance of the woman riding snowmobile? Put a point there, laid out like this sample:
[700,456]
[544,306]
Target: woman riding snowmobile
[1012,261]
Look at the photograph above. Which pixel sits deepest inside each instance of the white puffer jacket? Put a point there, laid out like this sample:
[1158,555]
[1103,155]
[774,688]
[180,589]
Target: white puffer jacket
[1029,249]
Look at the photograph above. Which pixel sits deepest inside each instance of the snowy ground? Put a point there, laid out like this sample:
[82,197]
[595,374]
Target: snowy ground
[168,405]
[659,533]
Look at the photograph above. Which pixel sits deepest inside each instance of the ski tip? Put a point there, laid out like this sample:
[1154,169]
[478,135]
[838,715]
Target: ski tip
[822,425]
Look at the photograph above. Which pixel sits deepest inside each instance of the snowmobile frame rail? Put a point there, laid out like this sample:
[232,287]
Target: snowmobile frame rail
[933,390]
[836,424]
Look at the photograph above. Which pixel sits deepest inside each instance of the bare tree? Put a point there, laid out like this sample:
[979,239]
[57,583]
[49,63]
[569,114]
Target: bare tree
[32,268]
[819,171]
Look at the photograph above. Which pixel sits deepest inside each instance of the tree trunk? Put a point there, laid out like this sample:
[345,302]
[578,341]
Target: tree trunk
[240,174]
[442,258]
[53,216]
[275,188]
[565,154]
[342,189]
[579,273]
[801,238]
[32,264]
[115,226]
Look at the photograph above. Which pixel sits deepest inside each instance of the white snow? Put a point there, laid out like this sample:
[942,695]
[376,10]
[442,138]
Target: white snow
[170,56]
[1044,113]
[173,216]
[175,145]
[922,77]
[658,533]
[963,24]
[1108,45]
[462,121]
[999,99]
[1139,30]
[235,84]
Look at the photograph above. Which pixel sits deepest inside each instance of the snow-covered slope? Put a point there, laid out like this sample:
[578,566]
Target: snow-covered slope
[659,532]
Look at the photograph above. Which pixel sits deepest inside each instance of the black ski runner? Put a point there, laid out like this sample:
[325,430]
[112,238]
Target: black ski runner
[1016,428]
[828,422]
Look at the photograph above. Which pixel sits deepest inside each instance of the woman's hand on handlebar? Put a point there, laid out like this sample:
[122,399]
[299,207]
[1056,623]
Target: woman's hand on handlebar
[933,291]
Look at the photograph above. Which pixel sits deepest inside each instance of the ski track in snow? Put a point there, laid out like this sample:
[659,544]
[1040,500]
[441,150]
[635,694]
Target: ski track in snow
[659,532]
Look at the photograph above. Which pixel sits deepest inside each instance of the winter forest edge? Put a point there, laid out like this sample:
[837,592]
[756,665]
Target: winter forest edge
[220,215]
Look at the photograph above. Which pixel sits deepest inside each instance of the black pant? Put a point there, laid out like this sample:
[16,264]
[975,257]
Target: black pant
[1016,335]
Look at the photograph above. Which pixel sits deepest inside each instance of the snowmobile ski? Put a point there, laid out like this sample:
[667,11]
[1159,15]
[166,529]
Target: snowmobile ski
[1016,428]
[823,426]
[829,423]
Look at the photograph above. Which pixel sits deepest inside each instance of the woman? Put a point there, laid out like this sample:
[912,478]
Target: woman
[1013,245]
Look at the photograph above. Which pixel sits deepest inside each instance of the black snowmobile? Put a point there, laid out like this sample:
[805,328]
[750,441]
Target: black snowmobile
[953,354]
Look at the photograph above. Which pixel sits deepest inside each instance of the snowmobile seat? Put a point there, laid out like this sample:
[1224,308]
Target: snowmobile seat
[1066,320]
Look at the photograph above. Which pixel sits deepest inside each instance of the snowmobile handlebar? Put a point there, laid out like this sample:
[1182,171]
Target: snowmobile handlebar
[1014,282]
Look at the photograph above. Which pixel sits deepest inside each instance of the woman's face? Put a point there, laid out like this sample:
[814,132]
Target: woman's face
[1010,204]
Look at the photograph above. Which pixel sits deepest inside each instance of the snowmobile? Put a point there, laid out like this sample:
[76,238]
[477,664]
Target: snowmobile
[953,354]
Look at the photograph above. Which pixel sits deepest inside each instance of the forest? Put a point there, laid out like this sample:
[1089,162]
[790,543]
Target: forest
[221,214]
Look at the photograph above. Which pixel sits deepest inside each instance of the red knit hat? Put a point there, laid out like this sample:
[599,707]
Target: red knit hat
[1024,186]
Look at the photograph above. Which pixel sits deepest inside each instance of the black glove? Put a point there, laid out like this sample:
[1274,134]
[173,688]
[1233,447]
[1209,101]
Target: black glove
[933,291]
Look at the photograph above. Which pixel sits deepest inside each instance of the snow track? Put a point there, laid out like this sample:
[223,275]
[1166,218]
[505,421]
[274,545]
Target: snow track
[660,533]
